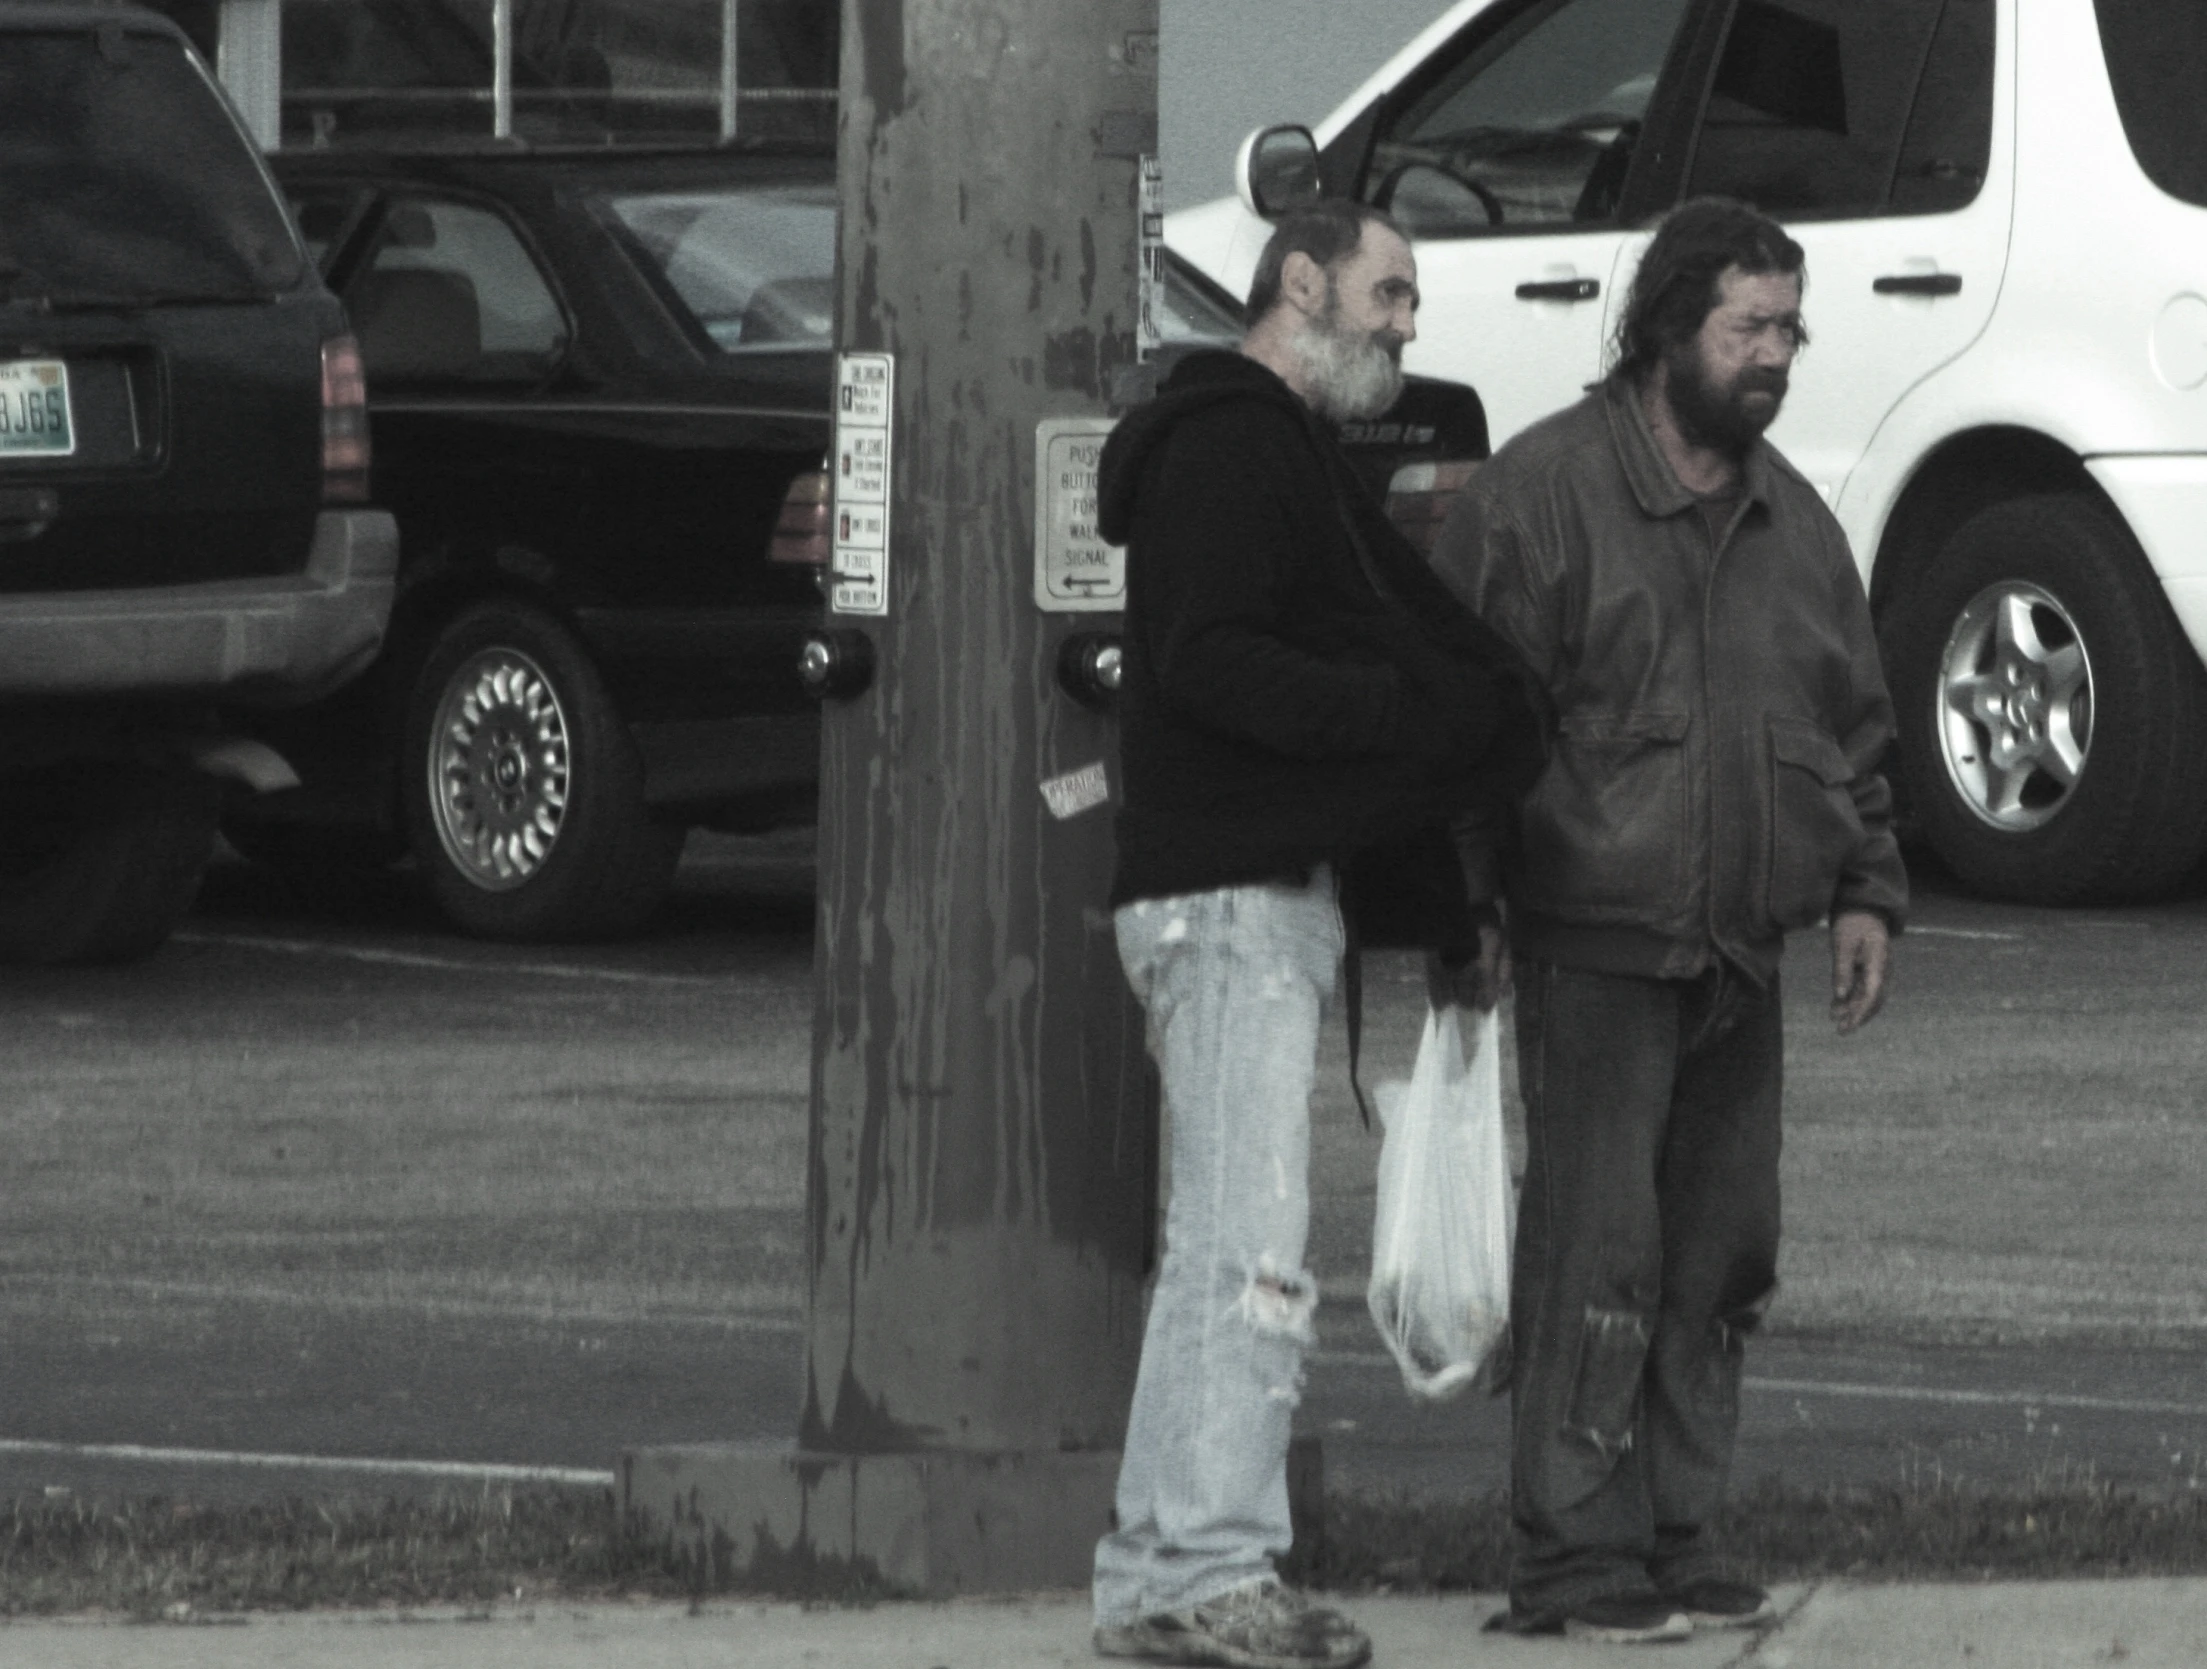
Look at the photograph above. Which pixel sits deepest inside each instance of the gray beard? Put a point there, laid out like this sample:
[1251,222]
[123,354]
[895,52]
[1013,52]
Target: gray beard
[1345,376]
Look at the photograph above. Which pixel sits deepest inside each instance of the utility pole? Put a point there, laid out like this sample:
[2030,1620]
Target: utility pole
[982,1168]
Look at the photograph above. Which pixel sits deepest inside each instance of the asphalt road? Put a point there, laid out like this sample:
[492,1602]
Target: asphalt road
[446,1316]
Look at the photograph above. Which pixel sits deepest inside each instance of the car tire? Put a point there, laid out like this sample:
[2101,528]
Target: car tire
[99,861]
[523,789]
[2051,709]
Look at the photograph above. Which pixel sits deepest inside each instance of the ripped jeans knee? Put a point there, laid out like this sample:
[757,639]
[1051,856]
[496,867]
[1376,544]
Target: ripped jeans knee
[1278,1304]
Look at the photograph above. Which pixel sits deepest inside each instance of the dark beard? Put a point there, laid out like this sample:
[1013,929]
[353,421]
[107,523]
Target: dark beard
[1719,418]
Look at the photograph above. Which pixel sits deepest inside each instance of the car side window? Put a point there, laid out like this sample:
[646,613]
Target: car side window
[451,294]
[1814,110]
[1533,126]
[1949,140]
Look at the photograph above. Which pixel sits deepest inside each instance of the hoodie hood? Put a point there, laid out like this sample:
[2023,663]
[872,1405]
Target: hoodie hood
[1205,378]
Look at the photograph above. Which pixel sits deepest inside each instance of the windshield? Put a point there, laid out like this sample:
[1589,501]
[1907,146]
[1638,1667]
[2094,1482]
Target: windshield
[1196,310]
[126,178]
[753,265]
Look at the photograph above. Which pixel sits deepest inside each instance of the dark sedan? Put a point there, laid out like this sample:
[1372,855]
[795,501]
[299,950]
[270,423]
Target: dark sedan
[593,379]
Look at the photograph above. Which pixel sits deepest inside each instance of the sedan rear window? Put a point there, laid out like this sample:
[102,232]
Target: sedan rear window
[2156,51]
[126,178]
[754,266]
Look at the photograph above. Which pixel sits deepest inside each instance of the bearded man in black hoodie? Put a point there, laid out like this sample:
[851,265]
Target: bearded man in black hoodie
[1299,688]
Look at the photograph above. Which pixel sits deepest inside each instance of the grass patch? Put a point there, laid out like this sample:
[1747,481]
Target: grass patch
[153,1558]
[1932,1531]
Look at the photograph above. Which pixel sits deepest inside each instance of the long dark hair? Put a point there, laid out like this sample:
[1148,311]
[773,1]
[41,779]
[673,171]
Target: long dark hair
[1676,288]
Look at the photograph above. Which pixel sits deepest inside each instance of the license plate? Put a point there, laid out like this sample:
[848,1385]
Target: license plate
[34,409]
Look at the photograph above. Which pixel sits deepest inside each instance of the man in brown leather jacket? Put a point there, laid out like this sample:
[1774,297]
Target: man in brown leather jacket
[1696,615]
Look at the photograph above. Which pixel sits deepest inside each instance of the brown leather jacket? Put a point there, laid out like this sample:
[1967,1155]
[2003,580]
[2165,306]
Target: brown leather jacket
[1721,713]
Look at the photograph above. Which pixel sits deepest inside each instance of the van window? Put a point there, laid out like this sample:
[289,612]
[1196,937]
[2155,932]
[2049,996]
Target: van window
[126,177]
[2156,51]
[1533,126]
[1811,102]
[1949,141]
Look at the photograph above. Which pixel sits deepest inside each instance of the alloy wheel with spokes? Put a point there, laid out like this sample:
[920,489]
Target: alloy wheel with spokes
[499,768]
[2015,705]
[2051,710]
[524,793]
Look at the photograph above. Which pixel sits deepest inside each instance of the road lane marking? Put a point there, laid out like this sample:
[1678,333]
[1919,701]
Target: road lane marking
[473,1471]
[1915,932]
[2003,1399]
[455,964]
[1887,1393]
[425,1306]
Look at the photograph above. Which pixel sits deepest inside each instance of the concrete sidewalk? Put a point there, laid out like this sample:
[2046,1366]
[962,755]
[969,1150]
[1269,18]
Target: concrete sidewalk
[2141,1625]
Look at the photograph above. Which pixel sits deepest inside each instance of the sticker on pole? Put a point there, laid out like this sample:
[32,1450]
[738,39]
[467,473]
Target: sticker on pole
[1149,332]
[1075,570]
[865,408]
[1077,791]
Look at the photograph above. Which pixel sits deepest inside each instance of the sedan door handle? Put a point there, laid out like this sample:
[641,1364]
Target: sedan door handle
[1919,284]
[1560,289]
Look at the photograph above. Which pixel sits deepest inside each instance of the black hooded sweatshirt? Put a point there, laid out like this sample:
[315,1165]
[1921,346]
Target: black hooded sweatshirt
[1299,686]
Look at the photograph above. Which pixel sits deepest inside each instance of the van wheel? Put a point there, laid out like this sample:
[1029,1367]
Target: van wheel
[2051,708]
[524,793]
[99,860]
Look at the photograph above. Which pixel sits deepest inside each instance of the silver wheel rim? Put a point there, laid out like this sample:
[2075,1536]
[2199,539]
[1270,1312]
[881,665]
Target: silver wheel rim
[498,769]
[2015,706]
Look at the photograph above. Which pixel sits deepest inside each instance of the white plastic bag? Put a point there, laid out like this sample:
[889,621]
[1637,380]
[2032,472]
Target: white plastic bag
[1440,1290]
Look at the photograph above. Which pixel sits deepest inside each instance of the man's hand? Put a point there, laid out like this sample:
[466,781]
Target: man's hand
[1479,982]
[1862,954]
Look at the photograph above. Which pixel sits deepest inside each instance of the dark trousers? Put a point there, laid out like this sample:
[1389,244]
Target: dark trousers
[1647,1244]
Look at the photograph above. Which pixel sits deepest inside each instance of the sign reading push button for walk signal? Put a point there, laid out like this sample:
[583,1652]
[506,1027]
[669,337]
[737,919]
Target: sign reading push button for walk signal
[865,402]
[1075,571]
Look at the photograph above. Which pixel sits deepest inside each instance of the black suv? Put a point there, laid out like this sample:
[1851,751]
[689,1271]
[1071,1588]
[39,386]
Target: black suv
[183,465]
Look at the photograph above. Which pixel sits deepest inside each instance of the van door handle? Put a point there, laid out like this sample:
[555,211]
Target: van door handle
[1919,284]
[1560,289]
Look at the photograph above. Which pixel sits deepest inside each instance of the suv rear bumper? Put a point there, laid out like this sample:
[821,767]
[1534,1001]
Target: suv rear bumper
[268,642]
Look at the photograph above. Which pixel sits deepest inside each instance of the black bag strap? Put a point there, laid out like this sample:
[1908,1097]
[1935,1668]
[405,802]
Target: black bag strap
[1352,1003]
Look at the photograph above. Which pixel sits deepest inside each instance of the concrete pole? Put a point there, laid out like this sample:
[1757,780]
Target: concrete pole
[249,61]
[982,1175]
[982,1166]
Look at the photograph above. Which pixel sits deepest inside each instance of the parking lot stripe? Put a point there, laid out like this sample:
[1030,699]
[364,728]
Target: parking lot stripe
[2003,1399]
[472,1471]
[1888,1393]
[461,965]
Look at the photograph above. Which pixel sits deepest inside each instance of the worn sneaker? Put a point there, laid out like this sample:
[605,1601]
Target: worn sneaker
[1261,1625]
[1644,1619]
[1719,1602]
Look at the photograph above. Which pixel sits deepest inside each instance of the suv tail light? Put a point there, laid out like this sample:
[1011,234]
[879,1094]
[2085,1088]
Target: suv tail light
[344,423]
[1419,496]
[801,534]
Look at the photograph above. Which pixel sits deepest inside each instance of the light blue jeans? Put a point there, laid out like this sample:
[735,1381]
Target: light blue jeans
[1235,983]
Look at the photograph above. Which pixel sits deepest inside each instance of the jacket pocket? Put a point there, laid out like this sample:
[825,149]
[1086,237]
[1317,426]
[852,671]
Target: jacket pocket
[1605,827]
[1814,826]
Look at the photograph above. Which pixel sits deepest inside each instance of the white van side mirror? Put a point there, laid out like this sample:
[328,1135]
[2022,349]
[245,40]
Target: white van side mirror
[1277,170]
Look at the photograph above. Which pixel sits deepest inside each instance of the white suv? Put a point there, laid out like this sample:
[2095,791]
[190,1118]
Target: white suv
[2004,206]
